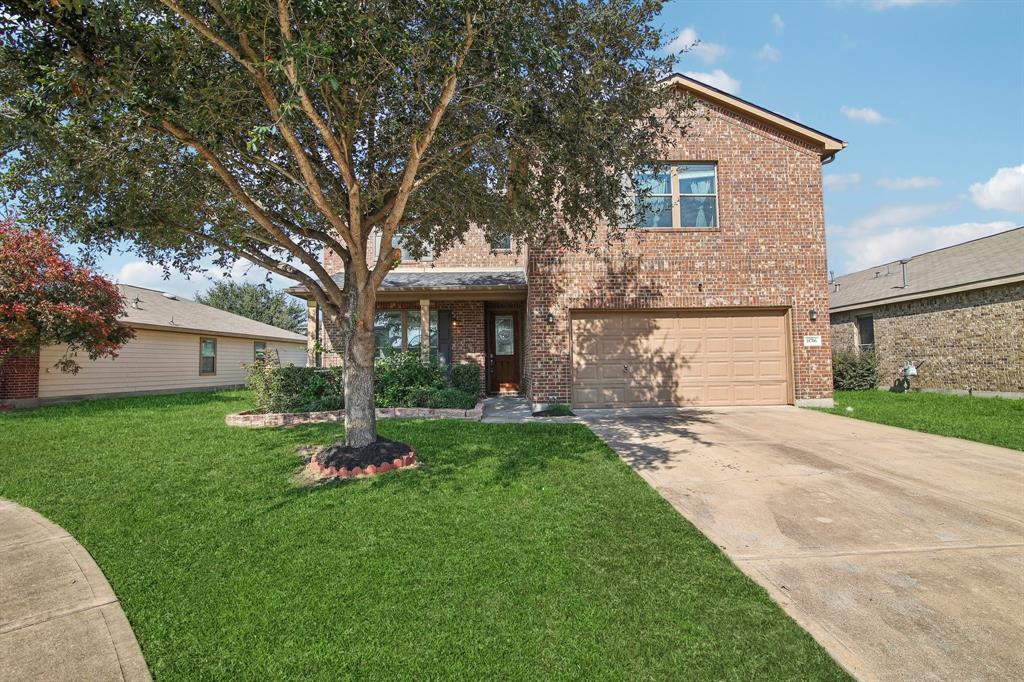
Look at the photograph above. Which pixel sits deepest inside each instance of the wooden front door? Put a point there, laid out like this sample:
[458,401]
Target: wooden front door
[503,342]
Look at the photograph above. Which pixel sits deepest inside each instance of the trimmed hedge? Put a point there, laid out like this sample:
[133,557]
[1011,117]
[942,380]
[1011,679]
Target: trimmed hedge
[399,374]
[288,388]
[466,378]
[401,380]
[854,370]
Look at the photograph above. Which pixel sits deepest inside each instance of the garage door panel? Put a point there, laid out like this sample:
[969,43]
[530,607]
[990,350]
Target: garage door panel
[680,358]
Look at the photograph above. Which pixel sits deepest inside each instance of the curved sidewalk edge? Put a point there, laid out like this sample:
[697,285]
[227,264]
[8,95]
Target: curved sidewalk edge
[59,618]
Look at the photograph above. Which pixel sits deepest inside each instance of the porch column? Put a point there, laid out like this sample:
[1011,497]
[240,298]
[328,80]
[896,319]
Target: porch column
[425,330]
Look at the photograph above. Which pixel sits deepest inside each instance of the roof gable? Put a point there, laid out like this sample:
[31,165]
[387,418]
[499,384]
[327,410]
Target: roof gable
[828,145]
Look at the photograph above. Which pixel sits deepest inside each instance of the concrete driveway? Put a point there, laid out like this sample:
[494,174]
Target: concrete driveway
[902,553]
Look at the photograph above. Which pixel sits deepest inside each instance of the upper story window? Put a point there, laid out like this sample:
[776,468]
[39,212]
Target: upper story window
[407,255]
[680,195]
[501,243]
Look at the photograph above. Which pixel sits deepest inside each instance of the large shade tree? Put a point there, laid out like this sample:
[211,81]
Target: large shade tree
[271,130]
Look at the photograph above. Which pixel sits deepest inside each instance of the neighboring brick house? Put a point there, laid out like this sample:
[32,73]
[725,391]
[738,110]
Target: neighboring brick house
[715,301]
[959,309]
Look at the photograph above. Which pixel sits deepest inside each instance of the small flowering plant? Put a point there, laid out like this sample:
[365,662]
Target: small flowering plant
[45,299]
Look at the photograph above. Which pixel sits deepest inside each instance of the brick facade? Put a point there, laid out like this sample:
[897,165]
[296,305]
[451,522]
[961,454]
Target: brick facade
[971,340]
[473,252]
[768,252]
[19,378]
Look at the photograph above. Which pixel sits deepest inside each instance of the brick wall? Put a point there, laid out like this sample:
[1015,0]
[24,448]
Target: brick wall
[968,340]
[19,377]
[769,251]
[473,252]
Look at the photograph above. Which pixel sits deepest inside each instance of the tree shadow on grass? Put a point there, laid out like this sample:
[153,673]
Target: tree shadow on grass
[502,454]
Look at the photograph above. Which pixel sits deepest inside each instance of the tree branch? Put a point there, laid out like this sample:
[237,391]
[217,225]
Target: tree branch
[419,148]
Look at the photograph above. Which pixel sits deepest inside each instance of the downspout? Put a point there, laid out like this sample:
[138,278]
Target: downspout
[825,160]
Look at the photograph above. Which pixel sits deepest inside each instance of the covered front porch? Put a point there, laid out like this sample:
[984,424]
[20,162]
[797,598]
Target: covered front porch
[470,316]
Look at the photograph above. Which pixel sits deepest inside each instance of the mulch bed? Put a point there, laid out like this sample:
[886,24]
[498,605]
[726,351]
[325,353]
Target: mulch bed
[345,461]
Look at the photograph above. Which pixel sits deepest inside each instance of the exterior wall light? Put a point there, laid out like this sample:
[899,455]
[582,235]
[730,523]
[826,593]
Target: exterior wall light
[813,314]
[551,318]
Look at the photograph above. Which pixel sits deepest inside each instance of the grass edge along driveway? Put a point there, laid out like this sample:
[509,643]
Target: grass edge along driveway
[517,551]
[996,421]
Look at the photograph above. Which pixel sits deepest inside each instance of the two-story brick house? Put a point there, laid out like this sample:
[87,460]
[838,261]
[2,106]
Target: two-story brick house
[720,298]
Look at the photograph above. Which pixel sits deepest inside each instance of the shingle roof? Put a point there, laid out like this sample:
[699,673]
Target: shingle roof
[971,263]
[152,309]
[434,279]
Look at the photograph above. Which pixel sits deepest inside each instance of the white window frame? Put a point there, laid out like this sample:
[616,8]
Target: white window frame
[676,196]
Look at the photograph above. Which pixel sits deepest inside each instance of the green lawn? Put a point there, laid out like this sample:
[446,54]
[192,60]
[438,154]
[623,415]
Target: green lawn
[997,421]
[517,551]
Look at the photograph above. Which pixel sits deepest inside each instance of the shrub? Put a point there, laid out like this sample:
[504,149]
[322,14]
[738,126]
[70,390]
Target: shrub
[401,381]
[854,370]
[466,378]
[397,375]
[287,388]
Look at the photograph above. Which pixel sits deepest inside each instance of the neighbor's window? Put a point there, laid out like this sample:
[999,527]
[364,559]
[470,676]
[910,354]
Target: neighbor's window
[259,350]
[207,356]
[865,332]
[399,330]
[501,243]
[679,195]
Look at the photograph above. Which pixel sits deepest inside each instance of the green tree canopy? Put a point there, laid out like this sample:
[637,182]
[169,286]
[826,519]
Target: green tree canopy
[270,130]
[257,302]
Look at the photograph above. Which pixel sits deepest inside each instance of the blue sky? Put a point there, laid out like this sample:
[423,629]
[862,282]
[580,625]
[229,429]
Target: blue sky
[929,96]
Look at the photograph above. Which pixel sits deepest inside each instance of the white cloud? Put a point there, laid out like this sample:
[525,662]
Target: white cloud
[915,182]
[778,23]
[716,79]
[867,251]
[889,4]
[769,53]
[150,276]
[863,114]
[688,41]
[897,215]
[840,181]
[1004,191]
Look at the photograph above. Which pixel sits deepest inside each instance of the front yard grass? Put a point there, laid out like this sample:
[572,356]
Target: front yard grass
[517,551]
[996,421]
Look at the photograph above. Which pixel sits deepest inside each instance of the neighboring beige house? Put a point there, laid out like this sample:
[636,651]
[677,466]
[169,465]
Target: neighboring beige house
[180,345]
[958,309]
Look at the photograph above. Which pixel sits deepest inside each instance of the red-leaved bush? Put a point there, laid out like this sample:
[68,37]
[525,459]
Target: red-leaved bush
[46,299]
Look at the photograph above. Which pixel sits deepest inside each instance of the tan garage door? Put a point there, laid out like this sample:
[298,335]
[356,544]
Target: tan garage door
[680,358]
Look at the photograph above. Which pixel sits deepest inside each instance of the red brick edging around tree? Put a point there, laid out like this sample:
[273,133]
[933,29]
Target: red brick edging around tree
[321,471]
[255,420]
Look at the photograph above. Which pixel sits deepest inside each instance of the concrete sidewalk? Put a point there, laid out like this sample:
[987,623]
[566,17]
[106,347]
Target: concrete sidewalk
[59,618]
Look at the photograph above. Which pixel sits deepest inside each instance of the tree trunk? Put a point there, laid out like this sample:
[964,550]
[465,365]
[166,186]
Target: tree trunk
[360,414]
